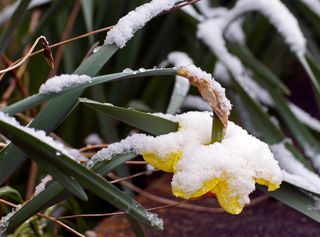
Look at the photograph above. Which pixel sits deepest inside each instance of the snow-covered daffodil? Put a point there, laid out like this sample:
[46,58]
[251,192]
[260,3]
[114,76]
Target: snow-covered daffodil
[229,168]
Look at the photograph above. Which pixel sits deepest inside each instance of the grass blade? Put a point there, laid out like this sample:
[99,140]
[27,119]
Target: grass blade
[15,21]
[10,193]
[43,154]
[296,199]
[144,121]
[262,71]
[36,99]
[55,193]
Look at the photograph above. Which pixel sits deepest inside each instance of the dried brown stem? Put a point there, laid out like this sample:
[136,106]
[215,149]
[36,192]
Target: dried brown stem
[32,179]
[119,212]
[92,147]
[136,162]
[131,176]
[24,59]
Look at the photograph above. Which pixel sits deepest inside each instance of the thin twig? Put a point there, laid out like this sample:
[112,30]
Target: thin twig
[53,219]
[32,179]
[93,147]
[25,58]
[131,176]
[73,39]
[136,162]
[120,212]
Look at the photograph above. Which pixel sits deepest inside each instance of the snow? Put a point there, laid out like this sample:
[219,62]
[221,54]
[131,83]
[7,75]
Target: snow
[128,25]
[41,136]
[211,33]
[305,118]
[42,185]
[313,154]
[239,159]
[93,139]
[234,31]
[57,83]
[189,9]
[8,11]
[196,103]
[221,73]
[278,14]
[4,220]
[256,91]
[179,59]
[313,5]
[295,172]
[155,220]
[150,169]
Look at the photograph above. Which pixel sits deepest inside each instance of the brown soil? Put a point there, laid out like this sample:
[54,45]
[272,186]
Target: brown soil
[265,219]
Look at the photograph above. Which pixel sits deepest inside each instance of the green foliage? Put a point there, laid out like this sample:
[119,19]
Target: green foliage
[264,55]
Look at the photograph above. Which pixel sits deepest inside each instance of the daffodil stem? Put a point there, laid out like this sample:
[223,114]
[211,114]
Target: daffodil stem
[217,130]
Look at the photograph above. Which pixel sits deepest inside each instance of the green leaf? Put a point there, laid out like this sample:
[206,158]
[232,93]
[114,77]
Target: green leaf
[259,119]
[36,99]
[46,19]
[296,199]
[217,130]
[137,227]
[144,121]
[87,178]
[15,21]
[314,64]
[87,9]
[315,82]
[43,154]
[300,132]
[54,192]
[10,193]
[261,70]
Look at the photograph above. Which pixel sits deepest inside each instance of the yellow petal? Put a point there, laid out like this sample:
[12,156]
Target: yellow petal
[206,187]
[166,164]
[226,198]
[271,186]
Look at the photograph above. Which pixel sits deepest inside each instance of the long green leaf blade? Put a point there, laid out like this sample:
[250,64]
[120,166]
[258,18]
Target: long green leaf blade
[144,121]
[36,99]
[42,153]
[15,21]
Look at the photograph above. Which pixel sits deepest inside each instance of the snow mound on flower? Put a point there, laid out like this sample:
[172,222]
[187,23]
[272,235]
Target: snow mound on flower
[239,160]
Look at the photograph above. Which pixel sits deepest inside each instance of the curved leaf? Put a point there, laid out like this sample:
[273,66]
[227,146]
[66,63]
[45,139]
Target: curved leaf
[144,121]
